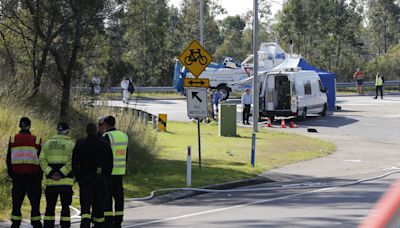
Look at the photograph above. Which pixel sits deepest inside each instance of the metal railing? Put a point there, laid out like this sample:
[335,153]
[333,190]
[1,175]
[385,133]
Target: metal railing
[171,89]
[366,84]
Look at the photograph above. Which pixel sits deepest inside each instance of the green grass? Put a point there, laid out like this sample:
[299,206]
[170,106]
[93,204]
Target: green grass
[223,158]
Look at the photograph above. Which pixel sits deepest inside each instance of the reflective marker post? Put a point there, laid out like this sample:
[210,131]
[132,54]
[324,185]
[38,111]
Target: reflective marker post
[189,167]
[198,134]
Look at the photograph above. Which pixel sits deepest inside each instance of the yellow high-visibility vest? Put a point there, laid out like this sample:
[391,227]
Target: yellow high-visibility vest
[378,81]
[119,146]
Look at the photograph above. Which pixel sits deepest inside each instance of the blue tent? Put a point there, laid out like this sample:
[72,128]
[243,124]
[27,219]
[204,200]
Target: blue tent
[328,79]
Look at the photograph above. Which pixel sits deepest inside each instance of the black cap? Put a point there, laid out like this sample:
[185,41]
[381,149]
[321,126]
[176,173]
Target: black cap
[62,126]
[24,122]
[91,128]
[110,121]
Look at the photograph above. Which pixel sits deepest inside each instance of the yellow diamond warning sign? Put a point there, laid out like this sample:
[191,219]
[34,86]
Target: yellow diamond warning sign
[195,58]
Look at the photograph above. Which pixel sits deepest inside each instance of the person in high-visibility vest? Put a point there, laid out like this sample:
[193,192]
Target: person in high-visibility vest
[379,81]
[56,163]
[119,145]
[92,163]
[23,167]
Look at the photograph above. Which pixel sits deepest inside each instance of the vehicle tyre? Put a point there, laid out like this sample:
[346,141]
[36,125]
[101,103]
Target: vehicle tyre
[304,114]
[323,113]
[224,91]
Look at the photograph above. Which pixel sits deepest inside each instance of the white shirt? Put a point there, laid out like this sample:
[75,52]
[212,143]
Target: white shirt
[247,99]
[125,84]
[96,80]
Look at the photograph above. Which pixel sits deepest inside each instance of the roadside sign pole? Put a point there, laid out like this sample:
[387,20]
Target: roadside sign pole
[202,22]
[199,141]
[255,83]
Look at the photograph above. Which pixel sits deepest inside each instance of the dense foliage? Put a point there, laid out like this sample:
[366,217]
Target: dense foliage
[62,43]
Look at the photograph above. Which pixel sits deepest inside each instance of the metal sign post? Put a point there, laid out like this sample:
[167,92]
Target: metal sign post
[255,83]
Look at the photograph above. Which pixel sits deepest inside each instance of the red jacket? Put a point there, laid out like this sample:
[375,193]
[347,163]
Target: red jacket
[23,154]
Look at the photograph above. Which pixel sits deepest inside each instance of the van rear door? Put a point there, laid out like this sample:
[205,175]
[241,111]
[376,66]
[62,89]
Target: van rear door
[283,92]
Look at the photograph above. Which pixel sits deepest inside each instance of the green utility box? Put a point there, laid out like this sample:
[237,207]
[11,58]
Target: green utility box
[227,120]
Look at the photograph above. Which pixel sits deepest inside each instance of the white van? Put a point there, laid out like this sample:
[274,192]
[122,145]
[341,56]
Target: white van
[292,92]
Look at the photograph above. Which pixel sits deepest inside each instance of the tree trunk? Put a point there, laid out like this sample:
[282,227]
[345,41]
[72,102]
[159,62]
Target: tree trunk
[37,79]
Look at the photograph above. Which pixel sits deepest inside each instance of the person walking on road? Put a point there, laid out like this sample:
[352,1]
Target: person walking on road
[92,163]
[127,89]
[55,160]
[119,145]
[96,85]
[379,81]
[358,77]
[246,101]
[24,170]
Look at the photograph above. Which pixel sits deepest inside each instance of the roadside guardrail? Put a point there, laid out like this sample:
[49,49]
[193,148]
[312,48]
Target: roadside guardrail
[171,89]
[366,84]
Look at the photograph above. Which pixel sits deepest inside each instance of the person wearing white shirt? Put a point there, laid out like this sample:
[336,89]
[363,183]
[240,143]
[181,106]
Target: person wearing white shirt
[96,85]
[246,100]
[125,92]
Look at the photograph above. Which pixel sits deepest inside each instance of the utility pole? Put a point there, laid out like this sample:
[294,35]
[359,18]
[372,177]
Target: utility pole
[202,23]
[255,82]
[202,44]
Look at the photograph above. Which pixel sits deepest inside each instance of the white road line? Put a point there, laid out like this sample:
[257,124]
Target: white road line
[357,161]
[225,208]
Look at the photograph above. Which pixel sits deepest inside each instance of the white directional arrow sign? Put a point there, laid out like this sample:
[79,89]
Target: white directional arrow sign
[197,102]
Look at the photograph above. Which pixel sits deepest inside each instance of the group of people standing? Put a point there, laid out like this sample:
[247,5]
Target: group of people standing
[358,77]
[97,163]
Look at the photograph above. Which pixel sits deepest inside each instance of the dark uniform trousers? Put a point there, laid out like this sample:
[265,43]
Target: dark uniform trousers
[92,194]
[52,193]
[115,191]
[31,185]
[246,113]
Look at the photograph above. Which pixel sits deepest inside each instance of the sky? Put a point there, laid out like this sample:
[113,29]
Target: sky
[238,7]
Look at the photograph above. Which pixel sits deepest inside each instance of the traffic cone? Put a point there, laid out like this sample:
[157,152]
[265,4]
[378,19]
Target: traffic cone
[269,124]
[283,125]
[292,125]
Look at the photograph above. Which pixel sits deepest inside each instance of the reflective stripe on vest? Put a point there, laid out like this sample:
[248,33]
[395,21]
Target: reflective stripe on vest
[119,145]
[63,181]
[24,153]
[378,81]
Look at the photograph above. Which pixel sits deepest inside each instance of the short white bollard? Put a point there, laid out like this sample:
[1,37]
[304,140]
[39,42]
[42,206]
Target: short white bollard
[189,167]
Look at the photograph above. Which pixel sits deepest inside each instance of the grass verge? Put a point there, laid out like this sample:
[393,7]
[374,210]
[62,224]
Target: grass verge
[223,158]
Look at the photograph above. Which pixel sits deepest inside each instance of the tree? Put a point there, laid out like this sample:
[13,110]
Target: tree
[328,33]
[190,29]
[146,28]
[383,17]
[232,35]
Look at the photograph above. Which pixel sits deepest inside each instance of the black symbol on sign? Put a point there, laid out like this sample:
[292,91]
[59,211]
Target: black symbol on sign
[194,82]
[194,56]
[162,122]
[194,95]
